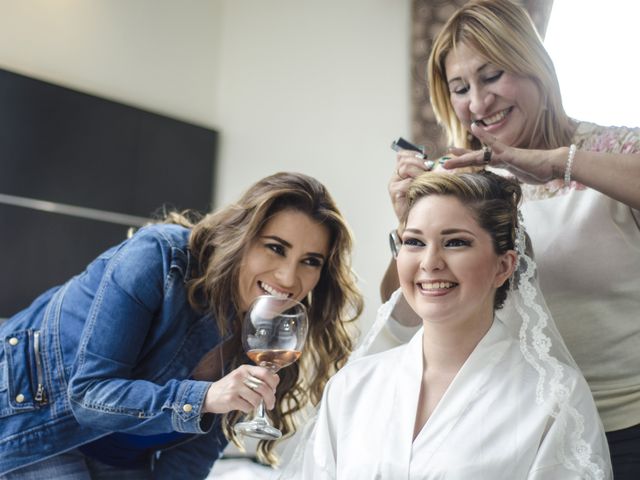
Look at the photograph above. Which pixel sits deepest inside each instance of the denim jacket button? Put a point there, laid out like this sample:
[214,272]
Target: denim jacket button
[187,407]
[13,341]
[20,398]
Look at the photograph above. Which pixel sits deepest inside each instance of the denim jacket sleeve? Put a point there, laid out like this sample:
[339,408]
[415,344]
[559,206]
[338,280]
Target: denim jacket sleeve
[103,389]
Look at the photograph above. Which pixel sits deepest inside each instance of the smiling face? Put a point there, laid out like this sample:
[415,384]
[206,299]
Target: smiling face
[285,259]
[447,264]
[506,105]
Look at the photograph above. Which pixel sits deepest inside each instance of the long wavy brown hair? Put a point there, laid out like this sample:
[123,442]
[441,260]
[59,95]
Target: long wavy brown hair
[504,34]
[219,240]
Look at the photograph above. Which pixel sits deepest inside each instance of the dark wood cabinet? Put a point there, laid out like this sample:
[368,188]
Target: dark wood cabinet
[73,149]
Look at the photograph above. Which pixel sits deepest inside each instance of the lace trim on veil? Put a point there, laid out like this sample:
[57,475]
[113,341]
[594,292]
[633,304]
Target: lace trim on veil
[548,355]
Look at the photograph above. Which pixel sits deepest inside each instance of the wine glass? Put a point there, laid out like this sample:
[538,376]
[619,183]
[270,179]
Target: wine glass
[273,333]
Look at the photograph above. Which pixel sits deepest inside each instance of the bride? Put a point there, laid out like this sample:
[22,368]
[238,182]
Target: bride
[486,389]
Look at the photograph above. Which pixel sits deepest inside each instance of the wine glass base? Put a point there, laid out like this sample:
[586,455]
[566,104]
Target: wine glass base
[258,429]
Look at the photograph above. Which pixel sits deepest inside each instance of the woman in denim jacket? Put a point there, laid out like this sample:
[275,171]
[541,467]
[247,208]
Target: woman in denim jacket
[135,367]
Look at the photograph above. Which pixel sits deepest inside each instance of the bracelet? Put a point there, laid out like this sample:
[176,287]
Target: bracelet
[567,170]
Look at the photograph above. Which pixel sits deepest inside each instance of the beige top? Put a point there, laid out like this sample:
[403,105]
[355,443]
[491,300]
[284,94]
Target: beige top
[587,247]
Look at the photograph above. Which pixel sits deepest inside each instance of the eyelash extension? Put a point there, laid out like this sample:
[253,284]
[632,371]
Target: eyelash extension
[461,242]
[412,242]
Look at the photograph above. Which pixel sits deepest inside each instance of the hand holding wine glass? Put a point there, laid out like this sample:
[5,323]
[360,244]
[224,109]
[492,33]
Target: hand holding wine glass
[273,333]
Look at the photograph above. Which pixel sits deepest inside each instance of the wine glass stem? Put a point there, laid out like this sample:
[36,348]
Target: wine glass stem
[261,412]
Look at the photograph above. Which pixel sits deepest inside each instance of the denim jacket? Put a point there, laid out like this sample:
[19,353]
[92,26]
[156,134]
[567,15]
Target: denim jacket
[111,350]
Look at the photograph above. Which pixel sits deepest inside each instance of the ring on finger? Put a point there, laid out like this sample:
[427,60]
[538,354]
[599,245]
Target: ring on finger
[252,382]
[486,154]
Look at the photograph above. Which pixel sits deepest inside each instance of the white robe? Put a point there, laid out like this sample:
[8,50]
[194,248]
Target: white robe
[486,426]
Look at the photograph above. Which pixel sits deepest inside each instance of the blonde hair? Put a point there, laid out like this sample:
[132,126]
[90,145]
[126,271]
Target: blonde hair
[492,200]
[504,35]
[218,242]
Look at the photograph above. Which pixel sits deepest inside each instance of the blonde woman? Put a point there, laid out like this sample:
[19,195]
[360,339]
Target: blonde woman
[494,90]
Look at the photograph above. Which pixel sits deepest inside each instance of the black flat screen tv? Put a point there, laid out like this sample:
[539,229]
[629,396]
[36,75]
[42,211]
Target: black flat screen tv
[73,149]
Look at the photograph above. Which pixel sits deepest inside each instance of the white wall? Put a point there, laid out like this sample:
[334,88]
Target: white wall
[318,86]
[160,55]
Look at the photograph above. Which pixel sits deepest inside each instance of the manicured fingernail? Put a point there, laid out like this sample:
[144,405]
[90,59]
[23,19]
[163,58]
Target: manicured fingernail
[443,159]
[429,164]
[420,156]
